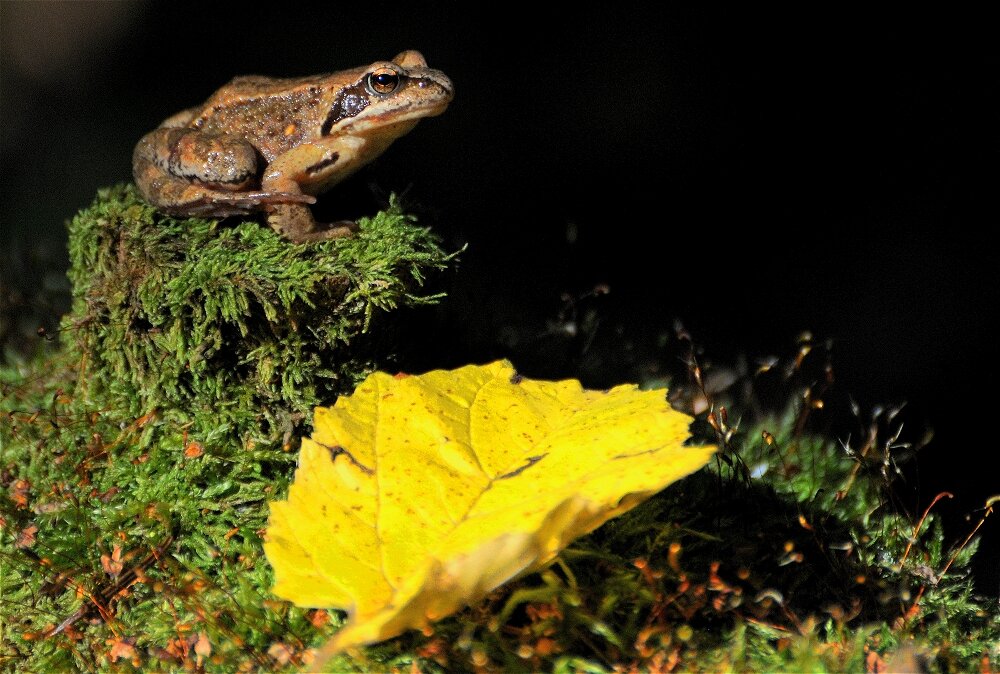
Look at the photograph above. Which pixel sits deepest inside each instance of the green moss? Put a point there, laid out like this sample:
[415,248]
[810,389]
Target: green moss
[230,330]
[137,460]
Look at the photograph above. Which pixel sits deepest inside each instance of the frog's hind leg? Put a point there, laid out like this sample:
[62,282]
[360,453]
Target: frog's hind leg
[183,171]
[317,166]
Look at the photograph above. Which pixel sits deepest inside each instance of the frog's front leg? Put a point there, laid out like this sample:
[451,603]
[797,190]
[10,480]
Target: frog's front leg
[183,171]
[313,168]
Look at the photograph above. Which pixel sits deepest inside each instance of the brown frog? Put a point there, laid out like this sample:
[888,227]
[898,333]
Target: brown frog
[261,143]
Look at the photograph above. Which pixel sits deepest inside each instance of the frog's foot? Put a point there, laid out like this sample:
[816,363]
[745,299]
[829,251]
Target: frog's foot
[297,224]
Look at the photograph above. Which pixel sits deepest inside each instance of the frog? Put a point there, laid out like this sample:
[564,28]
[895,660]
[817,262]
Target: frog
[271,145]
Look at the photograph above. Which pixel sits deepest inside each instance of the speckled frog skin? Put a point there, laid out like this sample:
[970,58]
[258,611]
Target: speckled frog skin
[271,145]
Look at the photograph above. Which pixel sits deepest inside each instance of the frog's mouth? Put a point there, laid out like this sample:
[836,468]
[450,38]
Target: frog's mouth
[435,82]
[428,94]
[380,126]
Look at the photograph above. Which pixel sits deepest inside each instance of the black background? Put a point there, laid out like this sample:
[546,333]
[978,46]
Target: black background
[752,173]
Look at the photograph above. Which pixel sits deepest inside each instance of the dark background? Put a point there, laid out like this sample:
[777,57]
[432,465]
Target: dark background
[753,174]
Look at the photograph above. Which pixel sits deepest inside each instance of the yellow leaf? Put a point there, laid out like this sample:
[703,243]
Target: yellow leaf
[417,495]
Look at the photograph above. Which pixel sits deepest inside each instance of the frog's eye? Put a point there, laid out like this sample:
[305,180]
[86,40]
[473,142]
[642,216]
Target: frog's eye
[383,81]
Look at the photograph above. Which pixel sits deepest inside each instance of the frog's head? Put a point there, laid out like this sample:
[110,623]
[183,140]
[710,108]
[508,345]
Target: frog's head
[388,98]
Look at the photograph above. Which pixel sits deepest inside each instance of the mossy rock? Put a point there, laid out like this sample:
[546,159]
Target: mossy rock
[222,326]
[134,490]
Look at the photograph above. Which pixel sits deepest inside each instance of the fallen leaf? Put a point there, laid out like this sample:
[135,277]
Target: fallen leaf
[19,493]
[202,648]
[318,618]
[122,648]
[112,564]
[417,495]
[280,653]
[26,537]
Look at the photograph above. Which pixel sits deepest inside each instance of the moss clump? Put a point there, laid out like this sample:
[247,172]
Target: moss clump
[137,459]
[231,328]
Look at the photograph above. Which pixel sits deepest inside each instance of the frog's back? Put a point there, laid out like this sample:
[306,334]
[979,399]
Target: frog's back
[247,87]
[273,113]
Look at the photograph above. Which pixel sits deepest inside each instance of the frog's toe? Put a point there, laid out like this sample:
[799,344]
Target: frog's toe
[209,209]
[283,198]
[335,230]
[322,232]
